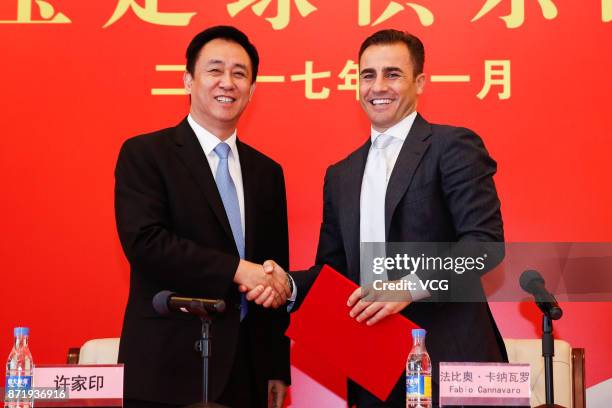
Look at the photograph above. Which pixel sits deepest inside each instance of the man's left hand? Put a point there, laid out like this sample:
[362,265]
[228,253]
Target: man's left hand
[276,393]
[372,312]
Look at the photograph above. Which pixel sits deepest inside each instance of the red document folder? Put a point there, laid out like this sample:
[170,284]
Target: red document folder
[372,356]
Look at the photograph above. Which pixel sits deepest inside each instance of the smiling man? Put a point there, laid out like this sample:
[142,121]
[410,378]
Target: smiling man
[412,181]
[197,212]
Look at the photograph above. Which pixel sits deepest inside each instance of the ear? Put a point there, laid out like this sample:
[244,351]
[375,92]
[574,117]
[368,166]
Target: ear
[420,83]
[187,80]
[251,91]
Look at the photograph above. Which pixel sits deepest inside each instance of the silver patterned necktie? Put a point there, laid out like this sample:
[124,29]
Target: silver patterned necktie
[372,210]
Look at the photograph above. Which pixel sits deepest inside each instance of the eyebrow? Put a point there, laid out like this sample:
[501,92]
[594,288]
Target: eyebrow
[385,70]
[216,61]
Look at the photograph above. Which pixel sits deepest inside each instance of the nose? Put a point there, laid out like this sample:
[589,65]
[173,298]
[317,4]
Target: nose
[380,84]
[227,81]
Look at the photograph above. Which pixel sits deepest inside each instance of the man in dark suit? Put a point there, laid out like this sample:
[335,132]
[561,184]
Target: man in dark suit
[412,181]
[197,212]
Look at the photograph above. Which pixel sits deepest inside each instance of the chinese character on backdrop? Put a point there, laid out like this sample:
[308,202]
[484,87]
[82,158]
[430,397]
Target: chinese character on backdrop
[425,16]
[46,11]
[283,7]
[308,77]
[497,72]
[350,76]
[517,11]
[149,13]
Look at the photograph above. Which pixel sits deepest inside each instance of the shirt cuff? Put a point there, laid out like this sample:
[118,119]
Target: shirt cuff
[291,300]
[418,293]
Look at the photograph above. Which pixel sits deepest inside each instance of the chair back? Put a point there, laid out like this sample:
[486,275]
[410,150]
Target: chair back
[99,351]
[530,351]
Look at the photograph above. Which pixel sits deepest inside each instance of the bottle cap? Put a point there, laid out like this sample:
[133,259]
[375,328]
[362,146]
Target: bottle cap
[21,331]
[419,333]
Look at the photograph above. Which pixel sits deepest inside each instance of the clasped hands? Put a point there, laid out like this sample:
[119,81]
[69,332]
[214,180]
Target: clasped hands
[268,285]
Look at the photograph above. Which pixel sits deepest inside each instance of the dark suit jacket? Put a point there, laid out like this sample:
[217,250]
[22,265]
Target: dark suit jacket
[441,190]
[176,236]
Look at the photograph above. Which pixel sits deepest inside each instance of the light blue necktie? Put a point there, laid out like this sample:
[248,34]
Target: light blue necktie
[227,190]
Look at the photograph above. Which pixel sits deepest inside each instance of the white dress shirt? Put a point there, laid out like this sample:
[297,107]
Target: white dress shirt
[373,190]
[368,233]
[398,131]
[208,141]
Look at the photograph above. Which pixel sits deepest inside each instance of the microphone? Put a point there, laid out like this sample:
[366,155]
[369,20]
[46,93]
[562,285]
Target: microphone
[166,302]
[532,282]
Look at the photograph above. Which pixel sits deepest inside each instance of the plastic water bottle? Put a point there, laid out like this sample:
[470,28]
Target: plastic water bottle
[19,372]
[418,373]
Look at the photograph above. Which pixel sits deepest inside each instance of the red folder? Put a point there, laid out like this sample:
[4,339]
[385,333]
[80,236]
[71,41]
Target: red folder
[372,356]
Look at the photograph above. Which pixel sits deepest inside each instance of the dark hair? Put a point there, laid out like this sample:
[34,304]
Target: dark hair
[228,33]
[390,36]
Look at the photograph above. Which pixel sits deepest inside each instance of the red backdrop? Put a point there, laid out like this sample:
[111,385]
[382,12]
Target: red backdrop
[73,91]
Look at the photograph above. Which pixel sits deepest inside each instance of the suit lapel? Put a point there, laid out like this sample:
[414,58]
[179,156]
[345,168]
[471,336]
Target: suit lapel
[410,155]
[189,150]
[350,199]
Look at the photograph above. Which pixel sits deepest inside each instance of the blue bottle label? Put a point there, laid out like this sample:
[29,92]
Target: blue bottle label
[18,382]
[418,386]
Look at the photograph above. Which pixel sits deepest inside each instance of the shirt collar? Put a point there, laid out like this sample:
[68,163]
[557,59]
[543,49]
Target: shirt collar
[208,141]
[400,130]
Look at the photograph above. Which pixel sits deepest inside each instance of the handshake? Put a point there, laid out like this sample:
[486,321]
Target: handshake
[270,286]
[267,285]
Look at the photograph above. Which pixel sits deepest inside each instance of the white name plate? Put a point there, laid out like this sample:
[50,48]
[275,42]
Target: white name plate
[490,384]
[85,385]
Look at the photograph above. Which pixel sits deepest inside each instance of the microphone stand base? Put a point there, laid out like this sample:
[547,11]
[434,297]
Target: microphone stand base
[550,406]
[206,405]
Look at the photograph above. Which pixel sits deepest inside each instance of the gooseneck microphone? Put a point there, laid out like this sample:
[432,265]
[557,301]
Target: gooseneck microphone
[166,302]
[532,282]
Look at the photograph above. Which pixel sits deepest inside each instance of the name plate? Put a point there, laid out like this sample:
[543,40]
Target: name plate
[490,384]
[86,385]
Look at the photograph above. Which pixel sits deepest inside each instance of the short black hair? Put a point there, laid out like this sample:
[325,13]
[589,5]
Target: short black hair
[227,33]
[390,36]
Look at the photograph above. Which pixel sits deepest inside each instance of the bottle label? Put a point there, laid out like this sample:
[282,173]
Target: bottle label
[418,386]
[18,382]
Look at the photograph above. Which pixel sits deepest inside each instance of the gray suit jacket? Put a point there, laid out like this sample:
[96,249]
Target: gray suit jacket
[441,190]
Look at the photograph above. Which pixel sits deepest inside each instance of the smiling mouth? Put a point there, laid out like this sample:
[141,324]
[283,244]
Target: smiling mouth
[225,99]
[381,101]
